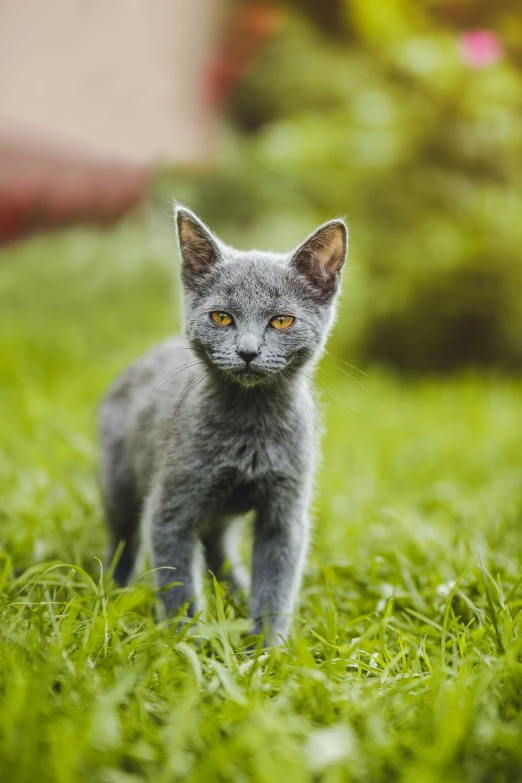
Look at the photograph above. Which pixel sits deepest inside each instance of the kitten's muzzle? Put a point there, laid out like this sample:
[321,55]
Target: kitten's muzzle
[247,347]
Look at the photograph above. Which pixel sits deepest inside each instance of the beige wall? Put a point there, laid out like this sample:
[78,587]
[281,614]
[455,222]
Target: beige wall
[118,79]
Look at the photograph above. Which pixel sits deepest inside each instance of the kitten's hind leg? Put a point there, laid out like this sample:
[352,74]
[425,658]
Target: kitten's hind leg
[124,534]
[122,513]
[221,548]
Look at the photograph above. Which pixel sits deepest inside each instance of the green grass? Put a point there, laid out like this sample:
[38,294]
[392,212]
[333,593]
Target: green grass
[405,659]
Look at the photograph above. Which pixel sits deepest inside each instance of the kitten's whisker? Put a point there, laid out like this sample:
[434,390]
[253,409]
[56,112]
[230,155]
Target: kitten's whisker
[326,388]
[191,385]
[167,378]
[284,378]
[331,396]
[358,382]
[353,366]
[173,348]
[310,415]
[205,397]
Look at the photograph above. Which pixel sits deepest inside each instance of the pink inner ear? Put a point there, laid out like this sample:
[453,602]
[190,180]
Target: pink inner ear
[330,248]
[324,252]
[321,257]
[198,255]
[197,248]
[190,234]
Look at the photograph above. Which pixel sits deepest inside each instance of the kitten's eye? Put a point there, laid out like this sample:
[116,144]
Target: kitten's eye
[282,321]
[221,319]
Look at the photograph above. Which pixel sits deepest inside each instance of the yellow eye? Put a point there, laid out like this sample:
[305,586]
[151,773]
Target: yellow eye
[221,319]
[282,321]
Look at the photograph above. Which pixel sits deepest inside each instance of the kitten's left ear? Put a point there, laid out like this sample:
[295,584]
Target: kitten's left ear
[320,258]
[199,247]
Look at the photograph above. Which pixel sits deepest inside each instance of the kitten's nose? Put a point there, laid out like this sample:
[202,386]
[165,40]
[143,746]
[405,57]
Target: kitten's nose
[248,355]
[248,347]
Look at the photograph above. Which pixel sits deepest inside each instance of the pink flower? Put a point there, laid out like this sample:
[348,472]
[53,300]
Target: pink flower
[480,48]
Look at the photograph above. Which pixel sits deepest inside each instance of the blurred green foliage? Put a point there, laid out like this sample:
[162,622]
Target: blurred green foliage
[370,110]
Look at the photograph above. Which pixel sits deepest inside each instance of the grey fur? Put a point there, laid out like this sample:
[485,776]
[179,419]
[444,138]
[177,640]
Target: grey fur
[193,435]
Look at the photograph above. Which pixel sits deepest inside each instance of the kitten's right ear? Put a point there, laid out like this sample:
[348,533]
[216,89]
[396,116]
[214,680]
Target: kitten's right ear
[320,258]
[199,247]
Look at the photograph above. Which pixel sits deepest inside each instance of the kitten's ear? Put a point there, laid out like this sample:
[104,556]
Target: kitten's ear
[320,257]
[199,247]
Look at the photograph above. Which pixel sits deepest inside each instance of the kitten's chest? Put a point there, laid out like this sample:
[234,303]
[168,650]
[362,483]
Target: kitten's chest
[252,445]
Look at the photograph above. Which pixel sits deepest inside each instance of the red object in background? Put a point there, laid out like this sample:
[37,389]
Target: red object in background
[250,31]
[41,190]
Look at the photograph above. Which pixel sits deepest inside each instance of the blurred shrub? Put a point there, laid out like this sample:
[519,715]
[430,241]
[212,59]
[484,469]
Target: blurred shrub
[384,122]
[460,316]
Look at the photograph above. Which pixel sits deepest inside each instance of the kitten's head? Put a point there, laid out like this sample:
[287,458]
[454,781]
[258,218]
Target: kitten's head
[253,316]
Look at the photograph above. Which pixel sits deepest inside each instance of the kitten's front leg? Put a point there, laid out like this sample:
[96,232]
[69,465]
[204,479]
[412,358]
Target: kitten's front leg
[172,521]
[280,545]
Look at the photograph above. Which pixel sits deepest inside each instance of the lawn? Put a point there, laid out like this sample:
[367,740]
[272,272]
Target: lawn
[405,658]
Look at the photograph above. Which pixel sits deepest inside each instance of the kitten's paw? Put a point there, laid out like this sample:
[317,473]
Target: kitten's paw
[262,635]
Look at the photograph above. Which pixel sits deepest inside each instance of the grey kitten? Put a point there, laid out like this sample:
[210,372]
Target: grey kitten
[206,428]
